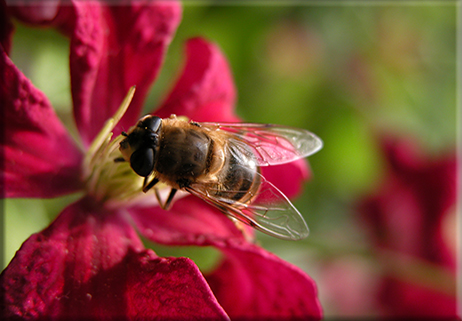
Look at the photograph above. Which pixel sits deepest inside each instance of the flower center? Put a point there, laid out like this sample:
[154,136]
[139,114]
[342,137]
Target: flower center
[113,183]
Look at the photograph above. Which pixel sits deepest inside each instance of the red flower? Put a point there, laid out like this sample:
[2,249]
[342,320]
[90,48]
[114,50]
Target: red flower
[90,261]
[407,220]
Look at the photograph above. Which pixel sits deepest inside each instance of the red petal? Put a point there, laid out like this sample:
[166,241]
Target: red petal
[406,215]
[416,196]
[409,300]
[49,13]
[169,289]
[205,91]
[41,159]
[289,178]
[36,13]
[190,221]
[112,49]
[67,269]
[254,284]
[251,283]
[89,264]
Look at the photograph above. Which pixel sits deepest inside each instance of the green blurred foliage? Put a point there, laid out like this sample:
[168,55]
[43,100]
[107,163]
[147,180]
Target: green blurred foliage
[347,72]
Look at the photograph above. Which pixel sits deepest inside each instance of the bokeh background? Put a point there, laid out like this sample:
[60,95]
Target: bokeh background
[352,73]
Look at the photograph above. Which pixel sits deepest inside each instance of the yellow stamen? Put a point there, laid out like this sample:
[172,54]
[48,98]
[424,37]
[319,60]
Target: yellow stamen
[108,181]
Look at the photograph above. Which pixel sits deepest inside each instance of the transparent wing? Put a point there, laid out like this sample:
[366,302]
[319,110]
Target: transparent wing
[270,144]
[270,212]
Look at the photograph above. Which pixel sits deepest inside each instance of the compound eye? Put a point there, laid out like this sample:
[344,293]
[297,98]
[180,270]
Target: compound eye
[152,123]
[142,161]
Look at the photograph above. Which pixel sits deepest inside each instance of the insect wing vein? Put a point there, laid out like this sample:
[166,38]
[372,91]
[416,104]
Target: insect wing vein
[271,211]
[272,144]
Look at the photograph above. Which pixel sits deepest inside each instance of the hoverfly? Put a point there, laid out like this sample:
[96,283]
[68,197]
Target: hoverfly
[220,163]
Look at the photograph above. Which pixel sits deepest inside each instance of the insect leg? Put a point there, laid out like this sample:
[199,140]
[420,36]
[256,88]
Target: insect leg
[169,199]
[148,186]
[168,202]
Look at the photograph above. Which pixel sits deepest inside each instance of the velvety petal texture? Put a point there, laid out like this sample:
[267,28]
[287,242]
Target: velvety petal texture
[68,269]
[253,284]
[41,158]
[190,221]
[170,289]
[90,263]
[112,49]
[205,90]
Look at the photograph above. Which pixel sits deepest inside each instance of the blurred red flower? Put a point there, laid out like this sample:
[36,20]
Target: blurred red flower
[408,221]
[90,262]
